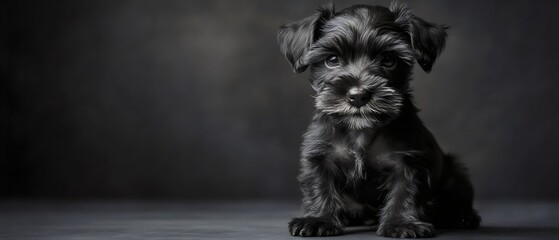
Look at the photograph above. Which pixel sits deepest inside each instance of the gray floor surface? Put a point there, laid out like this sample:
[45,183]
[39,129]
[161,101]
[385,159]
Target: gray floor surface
[234,220]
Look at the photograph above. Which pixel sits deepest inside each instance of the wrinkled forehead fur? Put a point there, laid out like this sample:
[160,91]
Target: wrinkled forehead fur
[359,32]
[362,30]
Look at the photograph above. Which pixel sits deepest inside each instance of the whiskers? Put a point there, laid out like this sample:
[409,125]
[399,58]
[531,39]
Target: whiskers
[384,105]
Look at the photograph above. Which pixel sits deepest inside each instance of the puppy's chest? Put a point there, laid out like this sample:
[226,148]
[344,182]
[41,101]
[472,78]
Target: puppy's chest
[347,151]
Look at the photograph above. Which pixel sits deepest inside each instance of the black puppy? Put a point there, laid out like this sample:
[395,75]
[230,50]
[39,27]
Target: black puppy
[367,158]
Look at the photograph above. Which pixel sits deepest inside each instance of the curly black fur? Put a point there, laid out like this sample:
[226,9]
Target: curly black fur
[374,163]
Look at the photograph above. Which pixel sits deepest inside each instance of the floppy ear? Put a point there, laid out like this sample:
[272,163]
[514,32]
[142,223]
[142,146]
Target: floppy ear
[296,38]
[427,39]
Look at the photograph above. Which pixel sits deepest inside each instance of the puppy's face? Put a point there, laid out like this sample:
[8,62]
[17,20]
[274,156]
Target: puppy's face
[360,59]
[360,66]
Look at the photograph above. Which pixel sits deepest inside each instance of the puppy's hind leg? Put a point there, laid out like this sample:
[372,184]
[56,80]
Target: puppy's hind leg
[453,207]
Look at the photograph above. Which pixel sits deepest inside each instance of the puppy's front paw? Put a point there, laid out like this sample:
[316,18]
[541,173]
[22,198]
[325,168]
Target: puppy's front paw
[407,230]
[312,227]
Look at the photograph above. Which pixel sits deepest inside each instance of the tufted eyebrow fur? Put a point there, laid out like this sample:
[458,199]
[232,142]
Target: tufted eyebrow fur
[357,32]
[412,38]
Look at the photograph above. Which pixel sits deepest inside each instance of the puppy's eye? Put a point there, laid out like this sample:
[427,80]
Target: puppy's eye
[388,61]
[332,61]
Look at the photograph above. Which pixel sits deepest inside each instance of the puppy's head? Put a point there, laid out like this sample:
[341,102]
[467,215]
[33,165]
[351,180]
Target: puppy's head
[361,59]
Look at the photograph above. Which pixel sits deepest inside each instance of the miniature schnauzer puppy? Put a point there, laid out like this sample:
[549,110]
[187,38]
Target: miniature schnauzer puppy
[367,158]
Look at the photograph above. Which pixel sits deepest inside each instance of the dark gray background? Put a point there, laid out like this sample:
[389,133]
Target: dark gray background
[192,99]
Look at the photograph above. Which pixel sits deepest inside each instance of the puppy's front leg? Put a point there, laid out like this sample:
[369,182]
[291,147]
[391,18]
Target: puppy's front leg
[321,201]
[403,213]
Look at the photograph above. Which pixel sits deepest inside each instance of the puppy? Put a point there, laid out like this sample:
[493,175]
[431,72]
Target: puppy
[367,158]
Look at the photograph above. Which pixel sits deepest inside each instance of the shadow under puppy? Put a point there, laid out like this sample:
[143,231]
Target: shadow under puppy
[367,158]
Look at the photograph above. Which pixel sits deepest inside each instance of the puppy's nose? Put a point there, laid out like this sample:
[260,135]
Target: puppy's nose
[358,97]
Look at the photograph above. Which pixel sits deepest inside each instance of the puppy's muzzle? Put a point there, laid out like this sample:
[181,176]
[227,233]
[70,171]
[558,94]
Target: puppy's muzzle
[358,97]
